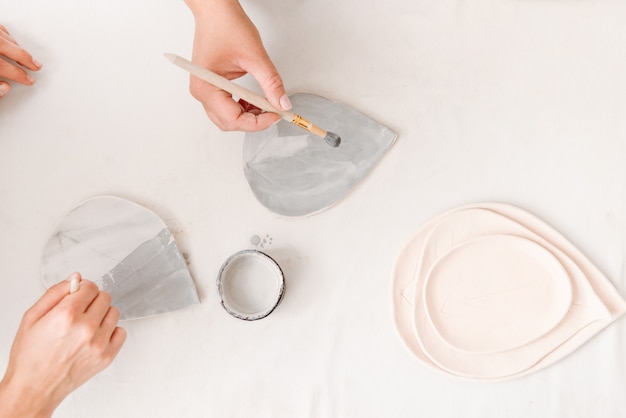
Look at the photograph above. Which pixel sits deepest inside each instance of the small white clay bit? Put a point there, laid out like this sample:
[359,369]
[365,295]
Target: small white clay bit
[74,283]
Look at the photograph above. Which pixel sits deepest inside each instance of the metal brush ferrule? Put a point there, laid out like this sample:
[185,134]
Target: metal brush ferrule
[301,122]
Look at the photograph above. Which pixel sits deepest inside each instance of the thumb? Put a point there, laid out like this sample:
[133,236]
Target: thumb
[50,299]
[272,84]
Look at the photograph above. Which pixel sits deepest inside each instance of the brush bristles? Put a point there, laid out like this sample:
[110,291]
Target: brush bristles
[332,139]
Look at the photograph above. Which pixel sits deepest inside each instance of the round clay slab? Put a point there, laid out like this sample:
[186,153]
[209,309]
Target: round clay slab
[126,250]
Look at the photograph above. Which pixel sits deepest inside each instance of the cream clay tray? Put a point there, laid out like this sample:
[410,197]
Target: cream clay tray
[490,292]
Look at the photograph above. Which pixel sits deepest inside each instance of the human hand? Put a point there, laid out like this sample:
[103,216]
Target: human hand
[14,62]
[64,339]
[227,42]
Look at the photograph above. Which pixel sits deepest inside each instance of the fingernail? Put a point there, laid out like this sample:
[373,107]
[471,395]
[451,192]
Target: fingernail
[30,79]
[285,103]
[37,63]
[74,285]
[4,89]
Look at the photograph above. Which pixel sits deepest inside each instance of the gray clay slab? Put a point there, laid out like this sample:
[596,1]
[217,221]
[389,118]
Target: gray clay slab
[294,173]
[127,250]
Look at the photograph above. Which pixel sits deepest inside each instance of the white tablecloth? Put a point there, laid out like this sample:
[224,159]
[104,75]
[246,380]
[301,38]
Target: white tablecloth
[520,102]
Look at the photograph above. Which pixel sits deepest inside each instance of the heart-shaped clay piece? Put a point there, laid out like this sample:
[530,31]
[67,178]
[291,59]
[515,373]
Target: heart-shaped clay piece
[126,250]
[295,173]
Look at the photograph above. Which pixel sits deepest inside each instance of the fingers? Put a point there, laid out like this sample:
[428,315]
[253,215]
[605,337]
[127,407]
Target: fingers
[75,336]
[105,336]
[250,108]
[49,300]
[227,114]
[4,33]
[115,343]
[108,324]
[109,335]
[16,58]
[230,116]
[4,88]
[14,73]
[81,300]
[99,307]
[271,82]
[10,49]
[102,319]
[104,315]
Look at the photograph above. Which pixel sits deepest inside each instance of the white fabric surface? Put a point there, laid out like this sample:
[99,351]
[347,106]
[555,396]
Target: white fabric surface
[521,102]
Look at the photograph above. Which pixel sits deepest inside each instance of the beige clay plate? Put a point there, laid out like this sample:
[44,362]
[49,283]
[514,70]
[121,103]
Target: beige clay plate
[496,293]
[594,301]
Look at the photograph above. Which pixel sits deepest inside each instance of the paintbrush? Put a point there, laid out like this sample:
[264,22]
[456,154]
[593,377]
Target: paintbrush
[253,98]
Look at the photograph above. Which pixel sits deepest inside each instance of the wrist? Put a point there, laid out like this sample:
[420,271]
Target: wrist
[21,402]
[201,7]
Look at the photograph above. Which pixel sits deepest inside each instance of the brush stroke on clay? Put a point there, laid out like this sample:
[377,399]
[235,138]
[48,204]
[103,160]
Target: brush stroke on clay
[293,173]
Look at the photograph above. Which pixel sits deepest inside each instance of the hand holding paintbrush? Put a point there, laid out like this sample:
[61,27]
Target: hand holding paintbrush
[253,98]
[227,42]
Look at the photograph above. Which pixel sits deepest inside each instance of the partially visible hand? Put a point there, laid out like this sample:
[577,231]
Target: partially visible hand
[227,42]
[63,340]
[13,60]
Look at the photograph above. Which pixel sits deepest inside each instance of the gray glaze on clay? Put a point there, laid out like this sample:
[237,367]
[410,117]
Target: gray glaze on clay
[131,283]
[295,173]
[127,250]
